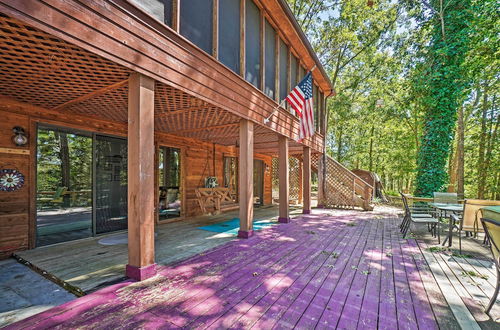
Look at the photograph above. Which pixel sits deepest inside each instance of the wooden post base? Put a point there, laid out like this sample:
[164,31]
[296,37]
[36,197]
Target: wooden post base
[245,233]
[283,220]
[140,273]
[306,211]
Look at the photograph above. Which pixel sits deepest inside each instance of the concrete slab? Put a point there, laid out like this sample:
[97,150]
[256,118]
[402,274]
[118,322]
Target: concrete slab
[24,293]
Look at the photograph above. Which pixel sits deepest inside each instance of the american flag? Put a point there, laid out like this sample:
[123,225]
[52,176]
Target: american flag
[301,101]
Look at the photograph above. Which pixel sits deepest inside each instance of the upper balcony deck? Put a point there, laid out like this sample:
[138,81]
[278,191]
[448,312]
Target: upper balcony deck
[135,38]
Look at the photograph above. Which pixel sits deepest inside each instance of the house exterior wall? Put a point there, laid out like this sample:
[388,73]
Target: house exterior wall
[18,208]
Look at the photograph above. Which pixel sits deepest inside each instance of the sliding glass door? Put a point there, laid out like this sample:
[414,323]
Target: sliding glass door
[110,184]
[64,185]
[81,185]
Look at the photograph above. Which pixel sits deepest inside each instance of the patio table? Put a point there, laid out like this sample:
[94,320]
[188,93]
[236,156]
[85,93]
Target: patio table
[454,208]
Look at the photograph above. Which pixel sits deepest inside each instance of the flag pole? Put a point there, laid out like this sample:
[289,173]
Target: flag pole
[266,120]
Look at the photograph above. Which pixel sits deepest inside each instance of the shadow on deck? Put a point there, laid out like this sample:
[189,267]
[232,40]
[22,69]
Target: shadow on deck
[84,265]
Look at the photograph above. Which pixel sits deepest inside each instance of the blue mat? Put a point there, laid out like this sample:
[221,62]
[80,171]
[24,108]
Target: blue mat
[232,226]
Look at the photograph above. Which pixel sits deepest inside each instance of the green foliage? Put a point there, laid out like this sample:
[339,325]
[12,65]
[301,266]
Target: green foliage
[393,52]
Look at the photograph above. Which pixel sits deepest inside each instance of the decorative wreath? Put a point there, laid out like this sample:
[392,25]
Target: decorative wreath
[11,180]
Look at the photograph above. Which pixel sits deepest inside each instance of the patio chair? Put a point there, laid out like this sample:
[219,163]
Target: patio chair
[471,216]
[56,199]
[418,211]
[417,216]
[492,231]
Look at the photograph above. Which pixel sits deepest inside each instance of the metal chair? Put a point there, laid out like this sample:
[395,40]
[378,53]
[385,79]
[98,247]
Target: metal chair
[492,231]
[418,216]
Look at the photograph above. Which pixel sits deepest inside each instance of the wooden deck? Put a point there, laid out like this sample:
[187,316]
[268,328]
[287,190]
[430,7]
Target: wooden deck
[86,265]
[467,280]
[344,269]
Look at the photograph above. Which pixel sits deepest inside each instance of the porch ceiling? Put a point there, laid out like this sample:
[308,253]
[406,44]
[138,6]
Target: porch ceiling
[42,70]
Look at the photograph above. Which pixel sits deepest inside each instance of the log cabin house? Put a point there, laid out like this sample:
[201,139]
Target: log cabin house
[148,100]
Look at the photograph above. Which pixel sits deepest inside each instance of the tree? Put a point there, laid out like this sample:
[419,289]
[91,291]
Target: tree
[443,85]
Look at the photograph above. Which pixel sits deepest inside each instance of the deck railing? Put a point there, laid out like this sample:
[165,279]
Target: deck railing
[343,188]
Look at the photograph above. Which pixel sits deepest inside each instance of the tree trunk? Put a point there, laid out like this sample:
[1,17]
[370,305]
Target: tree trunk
[482,147]
[371,148]
[452,173]
[65,164]
[460,155]
[339,145]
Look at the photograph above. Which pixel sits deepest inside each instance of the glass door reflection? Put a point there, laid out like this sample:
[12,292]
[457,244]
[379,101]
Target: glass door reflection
[64,186]
[110,184]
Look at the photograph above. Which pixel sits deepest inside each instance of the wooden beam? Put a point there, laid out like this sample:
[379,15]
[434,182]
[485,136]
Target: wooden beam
[284,197]
[246,179]
[191,130]
[176,14]
[141,183]
[90,95]
[179,111]
[14,151]
[306,183]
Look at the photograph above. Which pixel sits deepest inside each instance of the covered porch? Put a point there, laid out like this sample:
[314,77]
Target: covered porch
[54,85]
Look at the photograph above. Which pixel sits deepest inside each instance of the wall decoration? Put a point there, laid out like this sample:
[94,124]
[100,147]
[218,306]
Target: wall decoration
[11,180]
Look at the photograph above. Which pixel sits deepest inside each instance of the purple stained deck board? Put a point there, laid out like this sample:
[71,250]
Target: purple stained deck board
[365,271]
[369,307]
[337,301]
[280,306]
[311,316]
[387,306]
[244,304]
[404,302]
[296,286]
[421,306]
[200,298]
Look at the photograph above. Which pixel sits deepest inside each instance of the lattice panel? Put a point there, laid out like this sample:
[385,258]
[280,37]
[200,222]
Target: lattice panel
[294,179]
[275,179]
[112,105]
[339,184]
[40,69]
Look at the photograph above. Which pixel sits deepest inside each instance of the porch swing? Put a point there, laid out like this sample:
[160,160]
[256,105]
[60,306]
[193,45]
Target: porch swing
[211,198]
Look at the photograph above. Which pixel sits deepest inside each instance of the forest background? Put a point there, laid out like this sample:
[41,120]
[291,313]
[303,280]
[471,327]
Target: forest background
[417,90]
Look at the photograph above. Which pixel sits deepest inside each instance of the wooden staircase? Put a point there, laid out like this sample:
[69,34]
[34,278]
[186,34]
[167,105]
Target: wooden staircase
[342,188]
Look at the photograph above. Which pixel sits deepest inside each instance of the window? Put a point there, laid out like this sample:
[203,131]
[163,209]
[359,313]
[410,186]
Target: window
[159,9]
[252,44]
[169,170]
[270,61]
[229,34]
[302,73]
[316,107]
[196,22]
[321,112]
[283,70]
[231,174]
[293,72]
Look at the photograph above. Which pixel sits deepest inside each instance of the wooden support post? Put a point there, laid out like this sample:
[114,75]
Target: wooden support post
[246,179]
[141,183]
[284,189]
[321,182]
[306,180]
